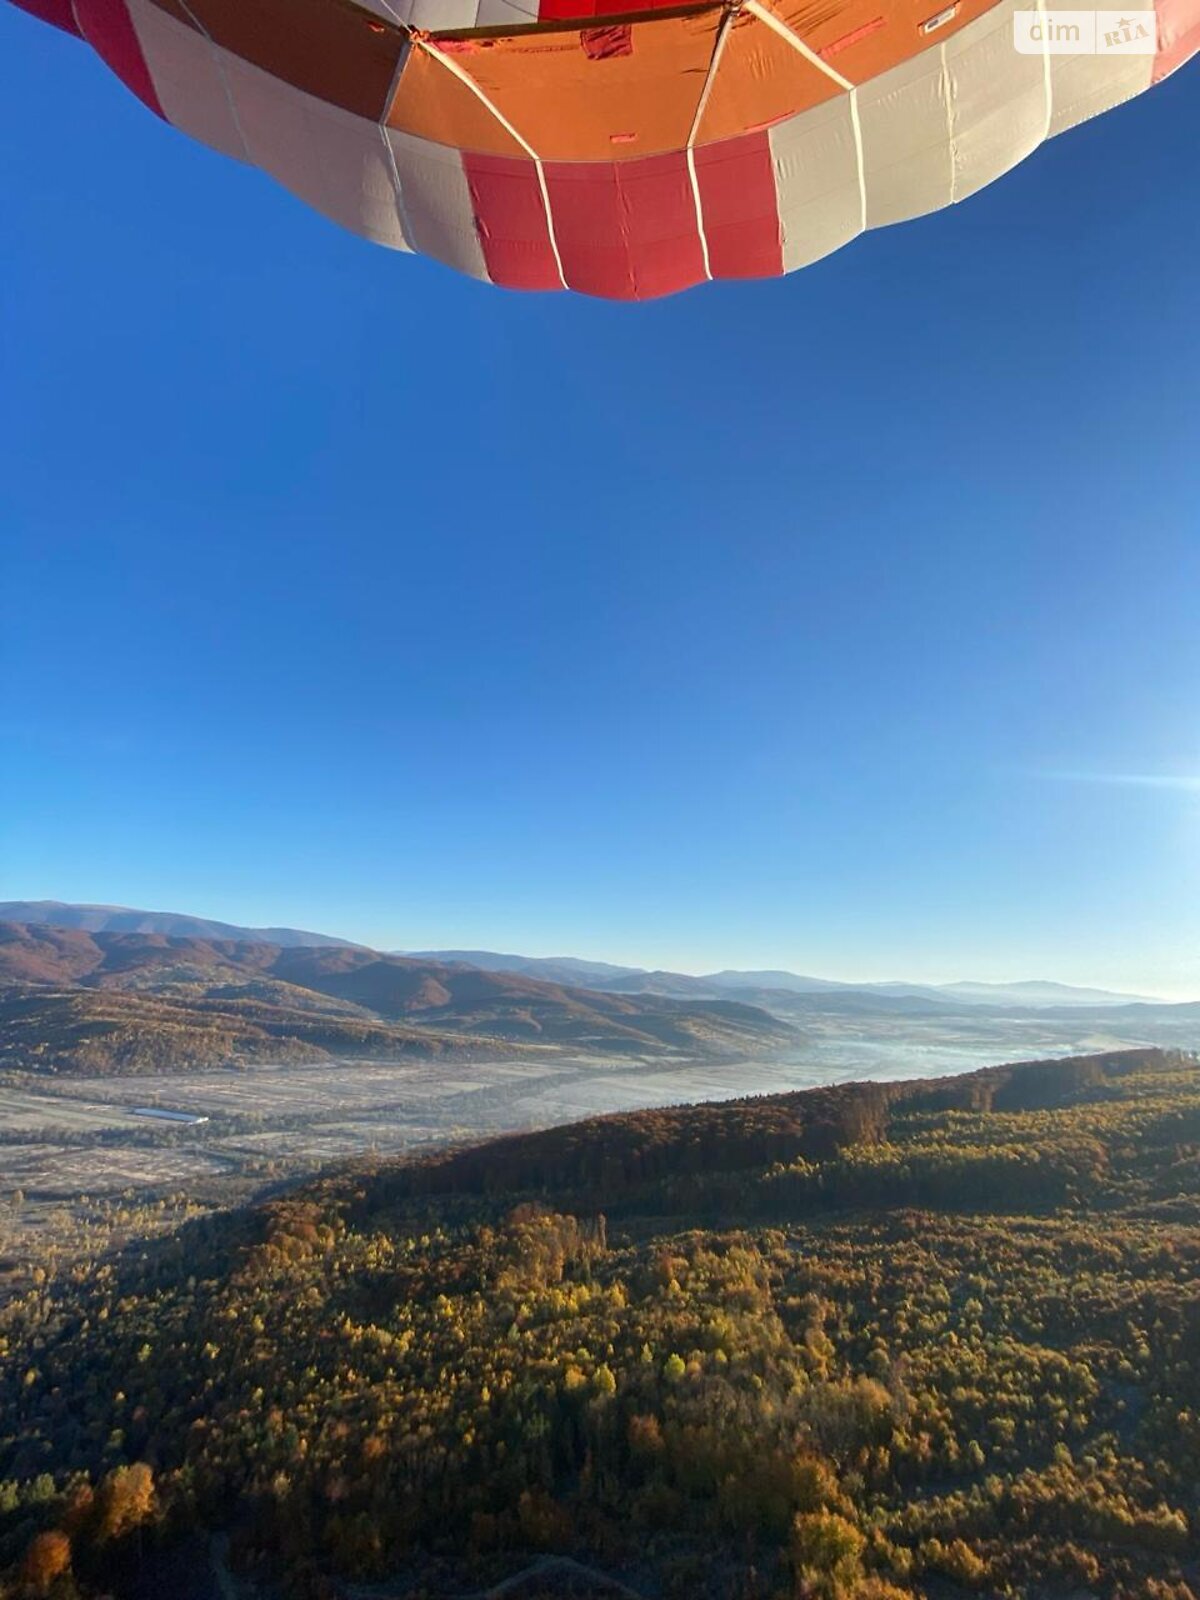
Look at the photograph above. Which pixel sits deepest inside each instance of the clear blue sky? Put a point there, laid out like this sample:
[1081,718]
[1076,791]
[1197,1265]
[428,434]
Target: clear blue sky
[781,624]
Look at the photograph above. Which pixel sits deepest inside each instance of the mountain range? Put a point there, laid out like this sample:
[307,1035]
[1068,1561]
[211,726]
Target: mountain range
[599,976]
[622,980]
[138,991]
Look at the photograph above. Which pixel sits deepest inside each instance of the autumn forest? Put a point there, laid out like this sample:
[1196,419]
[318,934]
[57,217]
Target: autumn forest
[862,1343]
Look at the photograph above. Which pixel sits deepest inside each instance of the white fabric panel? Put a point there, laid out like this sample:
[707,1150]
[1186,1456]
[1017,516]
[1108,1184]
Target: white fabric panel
[444,15]
[187,79]
[815,155]
[336,162]
[951,120]
[999,99]
[436,202]
[1085,86]
[492,12]
[905,123]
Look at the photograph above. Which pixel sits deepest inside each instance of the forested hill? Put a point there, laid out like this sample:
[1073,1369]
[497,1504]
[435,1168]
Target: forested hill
[924,1340]
[641,1157]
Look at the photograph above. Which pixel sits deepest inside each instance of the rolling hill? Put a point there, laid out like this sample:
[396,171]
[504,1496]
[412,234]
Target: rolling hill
[121,1032]
[74,999]
[121,919]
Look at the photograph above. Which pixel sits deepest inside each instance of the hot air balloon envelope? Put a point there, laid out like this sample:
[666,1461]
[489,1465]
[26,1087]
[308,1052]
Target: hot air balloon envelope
[624,148]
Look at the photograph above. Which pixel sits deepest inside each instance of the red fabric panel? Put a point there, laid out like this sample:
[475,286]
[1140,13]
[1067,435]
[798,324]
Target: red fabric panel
[56,11]
[580,10]
[626,230]
[1178,33]
[106,26]
[736,179]
[510,216]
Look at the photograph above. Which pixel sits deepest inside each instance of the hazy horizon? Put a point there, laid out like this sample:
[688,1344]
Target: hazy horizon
[804,966]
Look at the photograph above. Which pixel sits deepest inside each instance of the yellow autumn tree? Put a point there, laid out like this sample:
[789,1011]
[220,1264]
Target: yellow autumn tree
[126,1501]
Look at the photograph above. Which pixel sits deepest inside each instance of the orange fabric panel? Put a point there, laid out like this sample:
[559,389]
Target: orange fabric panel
[862,38]
[569,104]
[434,104]
[761,79]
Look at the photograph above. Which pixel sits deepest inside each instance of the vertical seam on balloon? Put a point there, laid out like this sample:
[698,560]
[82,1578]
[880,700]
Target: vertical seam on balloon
[1047,75]
[948,97]
[718,51]
[859,161]
[695,183]
[397,185]
[757,9]
[465,77]
[215,52]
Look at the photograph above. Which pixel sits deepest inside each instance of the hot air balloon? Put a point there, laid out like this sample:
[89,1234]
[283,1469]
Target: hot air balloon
[623,148]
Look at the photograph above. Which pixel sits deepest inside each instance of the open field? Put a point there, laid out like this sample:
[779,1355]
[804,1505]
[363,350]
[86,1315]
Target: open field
[32,1112]
[57,1172]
